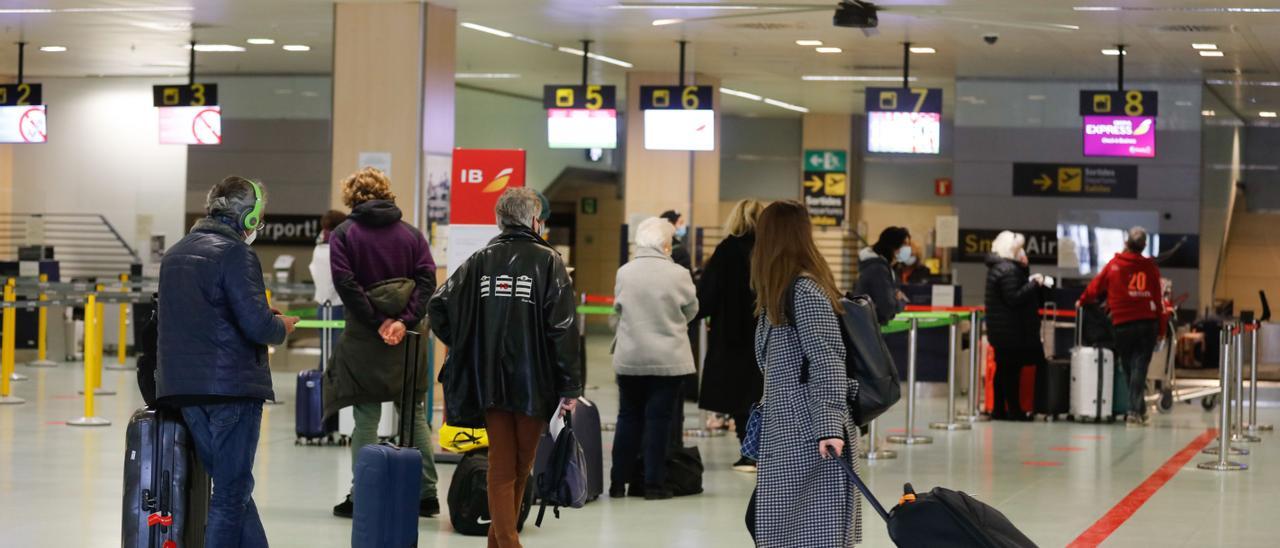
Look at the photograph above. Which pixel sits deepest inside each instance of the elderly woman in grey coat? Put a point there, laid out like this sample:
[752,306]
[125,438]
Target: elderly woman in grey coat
[654,300]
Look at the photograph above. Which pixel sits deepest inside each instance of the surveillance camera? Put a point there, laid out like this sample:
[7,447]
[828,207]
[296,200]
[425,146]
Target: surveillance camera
[991,39]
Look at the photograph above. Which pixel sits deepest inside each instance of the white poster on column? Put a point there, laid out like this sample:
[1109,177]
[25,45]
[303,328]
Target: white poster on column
[464,240]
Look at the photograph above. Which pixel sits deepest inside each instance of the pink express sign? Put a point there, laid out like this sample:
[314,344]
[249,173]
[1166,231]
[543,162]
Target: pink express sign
[1120,136]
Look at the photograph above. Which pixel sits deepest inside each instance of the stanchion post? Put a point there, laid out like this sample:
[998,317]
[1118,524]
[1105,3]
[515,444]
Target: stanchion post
[42,329]
[1237,424]
[703,431]
[93,345]
[1254,427]
[7,343]
[873,451]
[953,356]
[910,437]
[89,419]
[12,374]
[1222,464]
[974,411]
[122,330]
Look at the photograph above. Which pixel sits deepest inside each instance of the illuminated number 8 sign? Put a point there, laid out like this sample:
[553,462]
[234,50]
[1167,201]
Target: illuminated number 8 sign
[1133,103]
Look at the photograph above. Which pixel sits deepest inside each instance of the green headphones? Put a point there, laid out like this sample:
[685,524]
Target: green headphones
[252,219]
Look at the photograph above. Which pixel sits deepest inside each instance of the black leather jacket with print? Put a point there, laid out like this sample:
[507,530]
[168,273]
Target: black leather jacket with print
[508,316]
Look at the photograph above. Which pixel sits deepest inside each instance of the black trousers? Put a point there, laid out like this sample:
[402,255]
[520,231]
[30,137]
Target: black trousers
[1011,357]
[644,421]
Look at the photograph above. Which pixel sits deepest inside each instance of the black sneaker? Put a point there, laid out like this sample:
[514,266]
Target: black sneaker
[617,491]
[344,508]
[656,492]
[745,464]
[636,490]
[429,508]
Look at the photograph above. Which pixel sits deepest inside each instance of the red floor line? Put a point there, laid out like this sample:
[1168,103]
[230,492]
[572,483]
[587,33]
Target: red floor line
[1123,510]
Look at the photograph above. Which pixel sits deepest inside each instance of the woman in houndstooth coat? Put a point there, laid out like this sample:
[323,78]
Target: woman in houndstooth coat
[803,498]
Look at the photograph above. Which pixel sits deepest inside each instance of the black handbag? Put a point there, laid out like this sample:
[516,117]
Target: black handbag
[867,359]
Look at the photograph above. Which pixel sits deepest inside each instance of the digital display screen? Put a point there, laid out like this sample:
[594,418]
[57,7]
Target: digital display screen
[582,128]
[190,125]
[23,124]
[1120,136]
[680,130]
[904,132]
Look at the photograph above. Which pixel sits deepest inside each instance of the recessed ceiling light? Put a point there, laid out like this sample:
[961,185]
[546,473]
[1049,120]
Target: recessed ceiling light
[828,49]
[923,50]
[1208,113]
[808,42]
[1204,46]
[1267,114]
[1036,97]
[665,22]
[217,48]
[1204,53]
[787,106]
[852,78]
[261,41]
[741,94]
[296,47]
[489,30]
[1095,8]
[37,11]
[485,76]
[1113,51]
[596,56]
[53,49]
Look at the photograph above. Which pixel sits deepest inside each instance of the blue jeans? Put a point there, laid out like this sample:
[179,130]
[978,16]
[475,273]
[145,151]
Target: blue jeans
[226,439]
[644,422]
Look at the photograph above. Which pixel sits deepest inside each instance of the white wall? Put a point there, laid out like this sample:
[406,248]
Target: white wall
[104,156]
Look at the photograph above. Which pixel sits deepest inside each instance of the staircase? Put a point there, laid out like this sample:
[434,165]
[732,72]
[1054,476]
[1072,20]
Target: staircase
[85,245]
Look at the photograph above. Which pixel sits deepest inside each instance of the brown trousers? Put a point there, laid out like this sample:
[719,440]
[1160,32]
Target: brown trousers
[513,443]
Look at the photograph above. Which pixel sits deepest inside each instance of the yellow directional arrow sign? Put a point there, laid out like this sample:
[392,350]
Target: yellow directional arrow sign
[1044,182]
[814,183]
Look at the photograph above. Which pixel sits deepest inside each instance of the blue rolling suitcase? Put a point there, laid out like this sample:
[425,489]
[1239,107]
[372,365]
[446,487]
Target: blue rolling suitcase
[166,491]
[389,477]
[309,424]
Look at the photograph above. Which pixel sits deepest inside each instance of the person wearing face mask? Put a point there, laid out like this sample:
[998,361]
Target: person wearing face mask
[214,327]
[909,267]
[679,252]
[384,273]
[875,272]
[508,316]
[1013,300]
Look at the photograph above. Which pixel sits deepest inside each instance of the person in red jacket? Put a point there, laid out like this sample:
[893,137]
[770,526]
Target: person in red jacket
[1130,284]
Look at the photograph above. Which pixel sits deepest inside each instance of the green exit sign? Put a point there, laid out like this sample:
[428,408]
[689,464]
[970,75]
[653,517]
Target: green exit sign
[824,161]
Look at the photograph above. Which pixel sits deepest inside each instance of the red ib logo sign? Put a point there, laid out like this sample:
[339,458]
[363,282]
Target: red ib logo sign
[476,176]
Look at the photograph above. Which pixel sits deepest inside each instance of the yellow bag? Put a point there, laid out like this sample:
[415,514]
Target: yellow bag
[455,439]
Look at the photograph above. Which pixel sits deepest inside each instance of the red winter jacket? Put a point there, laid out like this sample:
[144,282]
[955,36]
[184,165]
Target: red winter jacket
[1130,284]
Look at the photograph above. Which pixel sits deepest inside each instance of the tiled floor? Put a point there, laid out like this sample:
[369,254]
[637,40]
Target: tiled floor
[61,486]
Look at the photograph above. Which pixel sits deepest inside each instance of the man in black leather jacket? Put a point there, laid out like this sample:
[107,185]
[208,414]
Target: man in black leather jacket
[214,328]
[507,315]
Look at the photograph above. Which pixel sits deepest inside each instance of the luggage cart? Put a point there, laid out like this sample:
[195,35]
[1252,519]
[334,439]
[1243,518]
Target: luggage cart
[1169,389]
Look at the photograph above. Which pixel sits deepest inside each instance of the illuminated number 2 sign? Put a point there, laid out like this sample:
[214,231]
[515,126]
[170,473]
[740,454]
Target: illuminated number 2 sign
[20,95]
[192,95]
[904,100]
[1130,102]
[592,97]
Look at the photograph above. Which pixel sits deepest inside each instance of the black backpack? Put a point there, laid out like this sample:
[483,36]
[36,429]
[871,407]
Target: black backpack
[867,359]
[684,471]
[148,343]
[469,496]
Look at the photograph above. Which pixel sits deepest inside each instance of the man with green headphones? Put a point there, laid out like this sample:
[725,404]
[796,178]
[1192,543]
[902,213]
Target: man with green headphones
[215,326]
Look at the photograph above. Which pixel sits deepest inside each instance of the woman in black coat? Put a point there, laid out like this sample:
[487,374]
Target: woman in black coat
[731,380]
[1013,321]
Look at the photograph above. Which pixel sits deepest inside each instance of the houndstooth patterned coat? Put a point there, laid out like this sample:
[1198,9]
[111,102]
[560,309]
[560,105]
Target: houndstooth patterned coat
[803,501]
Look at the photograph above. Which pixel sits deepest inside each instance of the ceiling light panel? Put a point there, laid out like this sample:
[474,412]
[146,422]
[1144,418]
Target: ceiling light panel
[217,48]
[295,47]
[1204,46]
[1211,54]
[261,41]
[923,50]
[828,49]
[808,42]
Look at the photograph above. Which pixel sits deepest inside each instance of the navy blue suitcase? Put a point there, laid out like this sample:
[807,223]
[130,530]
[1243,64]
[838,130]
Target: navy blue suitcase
[389,477]
[309,423]
[166,491]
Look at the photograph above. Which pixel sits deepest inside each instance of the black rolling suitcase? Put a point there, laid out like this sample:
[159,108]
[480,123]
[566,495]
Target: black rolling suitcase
[166,491]
[1053,389]
[943,518]
[585,422]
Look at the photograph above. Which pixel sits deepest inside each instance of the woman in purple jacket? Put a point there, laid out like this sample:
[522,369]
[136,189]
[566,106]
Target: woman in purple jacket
[383,271]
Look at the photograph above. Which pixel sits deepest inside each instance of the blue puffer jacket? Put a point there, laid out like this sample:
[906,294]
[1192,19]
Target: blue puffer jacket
[214,321]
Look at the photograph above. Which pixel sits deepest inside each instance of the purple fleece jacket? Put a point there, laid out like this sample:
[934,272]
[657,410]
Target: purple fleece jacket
[373,245]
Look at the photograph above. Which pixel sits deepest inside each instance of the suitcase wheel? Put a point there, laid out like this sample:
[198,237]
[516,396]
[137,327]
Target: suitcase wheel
[1165,404]
[1209,402]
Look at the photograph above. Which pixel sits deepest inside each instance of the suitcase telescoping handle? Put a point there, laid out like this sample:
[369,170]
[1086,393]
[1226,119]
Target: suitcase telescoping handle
[412,352]
[866,492]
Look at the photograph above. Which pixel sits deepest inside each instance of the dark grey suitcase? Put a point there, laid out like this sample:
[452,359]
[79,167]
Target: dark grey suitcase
[166,491]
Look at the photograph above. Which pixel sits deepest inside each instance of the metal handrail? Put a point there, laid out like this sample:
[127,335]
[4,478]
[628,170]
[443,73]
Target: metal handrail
[62,231]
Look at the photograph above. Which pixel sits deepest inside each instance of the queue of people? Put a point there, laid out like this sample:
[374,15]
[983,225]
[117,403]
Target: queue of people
[513,355]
